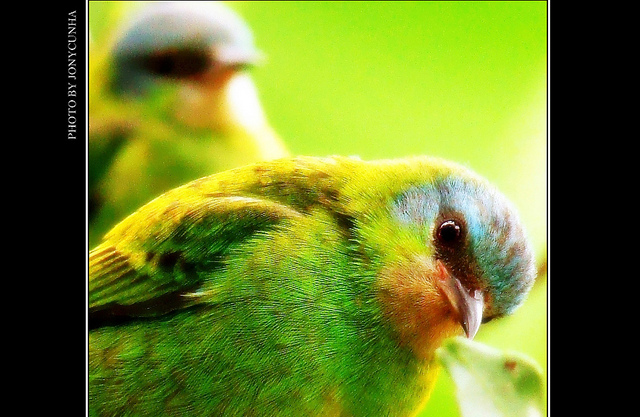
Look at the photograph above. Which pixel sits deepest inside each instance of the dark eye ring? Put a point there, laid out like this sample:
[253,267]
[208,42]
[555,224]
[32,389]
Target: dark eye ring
[450,232]
[179,63]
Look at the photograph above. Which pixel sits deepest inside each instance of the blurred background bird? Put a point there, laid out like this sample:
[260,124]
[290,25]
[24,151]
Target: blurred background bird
[170,100]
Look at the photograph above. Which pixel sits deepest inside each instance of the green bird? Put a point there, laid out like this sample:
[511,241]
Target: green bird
[170,100]
[299,287]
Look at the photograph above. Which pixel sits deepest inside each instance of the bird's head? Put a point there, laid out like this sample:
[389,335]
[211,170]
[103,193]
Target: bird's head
[180,41]
[177,69]
[461,256]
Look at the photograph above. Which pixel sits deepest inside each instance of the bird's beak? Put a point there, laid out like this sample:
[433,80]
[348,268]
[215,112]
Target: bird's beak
[232,55]
[467,303]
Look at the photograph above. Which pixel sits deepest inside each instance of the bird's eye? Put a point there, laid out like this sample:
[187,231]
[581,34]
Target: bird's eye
[179,63]
[450,232]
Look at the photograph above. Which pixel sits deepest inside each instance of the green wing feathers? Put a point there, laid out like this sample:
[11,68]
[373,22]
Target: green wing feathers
[145,268]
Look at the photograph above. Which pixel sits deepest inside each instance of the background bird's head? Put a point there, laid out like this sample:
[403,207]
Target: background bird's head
[185,54]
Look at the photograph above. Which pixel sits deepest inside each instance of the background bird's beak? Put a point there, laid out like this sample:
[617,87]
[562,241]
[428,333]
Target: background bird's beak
[467,303]
[230,55]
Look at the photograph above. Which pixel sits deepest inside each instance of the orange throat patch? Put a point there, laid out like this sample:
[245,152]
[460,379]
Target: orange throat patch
[416,308]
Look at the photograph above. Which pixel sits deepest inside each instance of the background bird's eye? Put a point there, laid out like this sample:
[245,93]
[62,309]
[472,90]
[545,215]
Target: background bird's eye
[178,63]
[450,232]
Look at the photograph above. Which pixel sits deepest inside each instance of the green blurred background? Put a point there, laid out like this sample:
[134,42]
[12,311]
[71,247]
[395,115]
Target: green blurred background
[462,80]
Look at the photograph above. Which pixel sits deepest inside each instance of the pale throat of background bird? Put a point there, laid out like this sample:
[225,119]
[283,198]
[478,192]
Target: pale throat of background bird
[230,106]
